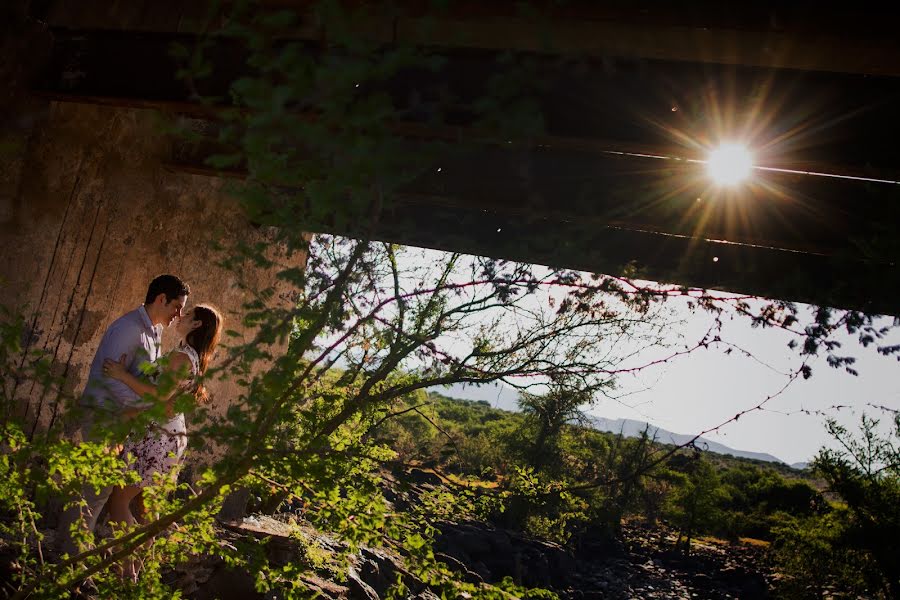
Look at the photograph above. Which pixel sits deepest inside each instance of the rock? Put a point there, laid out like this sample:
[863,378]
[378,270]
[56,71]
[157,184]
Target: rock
[535,570]
[378,569]
[359,589]
[647,570]
[418,476]
[227,584]
[457,566]
[494,553]
[562,565]
[325,589]
[472,542]
[235,505]
[482,570]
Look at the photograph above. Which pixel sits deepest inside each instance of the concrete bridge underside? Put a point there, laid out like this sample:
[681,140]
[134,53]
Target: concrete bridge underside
[614,79]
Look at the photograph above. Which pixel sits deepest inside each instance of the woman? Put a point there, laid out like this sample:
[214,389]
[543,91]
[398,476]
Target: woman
[160,450]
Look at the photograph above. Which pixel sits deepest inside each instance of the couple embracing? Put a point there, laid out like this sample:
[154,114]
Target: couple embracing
[123,372]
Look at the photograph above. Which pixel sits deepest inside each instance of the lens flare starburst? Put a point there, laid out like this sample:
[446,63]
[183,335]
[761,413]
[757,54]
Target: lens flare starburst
[730,164]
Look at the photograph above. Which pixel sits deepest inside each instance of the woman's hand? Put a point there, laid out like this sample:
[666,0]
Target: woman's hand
[116,370]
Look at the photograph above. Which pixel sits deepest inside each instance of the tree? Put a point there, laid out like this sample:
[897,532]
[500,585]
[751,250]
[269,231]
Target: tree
[865,472]
[852,547]
[547,414]
[695,505]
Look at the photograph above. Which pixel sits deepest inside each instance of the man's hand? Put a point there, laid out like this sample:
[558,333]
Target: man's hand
[130,413]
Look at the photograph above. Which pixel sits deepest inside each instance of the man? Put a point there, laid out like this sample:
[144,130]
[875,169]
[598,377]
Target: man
[136,337]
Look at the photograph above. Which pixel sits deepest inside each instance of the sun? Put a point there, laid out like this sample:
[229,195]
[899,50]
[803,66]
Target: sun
[729,164]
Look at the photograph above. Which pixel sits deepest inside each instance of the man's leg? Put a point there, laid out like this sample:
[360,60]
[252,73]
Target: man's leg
[120,512]
[84,516]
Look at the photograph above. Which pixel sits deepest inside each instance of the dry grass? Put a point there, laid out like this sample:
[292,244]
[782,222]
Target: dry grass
[712,540]
[457,479]
[753,542]
[471,482]
[744,541]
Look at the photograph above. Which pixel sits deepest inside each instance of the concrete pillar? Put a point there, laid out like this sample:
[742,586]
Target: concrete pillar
[89,215]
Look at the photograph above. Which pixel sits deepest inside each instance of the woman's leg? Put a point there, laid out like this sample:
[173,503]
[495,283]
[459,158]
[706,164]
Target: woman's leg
[137,508]
[118,504]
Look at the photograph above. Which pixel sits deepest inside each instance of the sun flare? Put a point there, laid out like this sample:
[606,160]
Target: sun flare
[729,164]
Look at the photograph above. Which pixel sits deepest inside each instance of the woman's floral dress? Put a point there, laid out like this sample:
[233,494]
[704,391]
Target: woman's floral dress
[161,449]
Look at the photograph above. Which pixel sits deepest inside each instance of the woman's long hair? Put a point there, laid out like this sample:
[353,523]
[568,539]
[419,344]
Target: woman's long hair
[204,340]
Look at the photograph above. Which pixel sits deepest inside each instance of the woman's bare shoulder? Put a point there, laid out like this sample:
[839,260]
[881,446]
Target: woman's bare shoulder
[178,359]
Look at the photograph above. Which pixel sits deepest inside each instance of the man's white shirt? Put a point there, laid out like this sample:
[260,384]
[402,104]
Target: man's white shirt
[135,336]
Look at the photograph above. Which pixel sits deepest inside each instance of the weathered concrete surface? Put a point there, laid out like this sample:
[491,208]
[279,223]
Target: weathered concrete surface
[88,217]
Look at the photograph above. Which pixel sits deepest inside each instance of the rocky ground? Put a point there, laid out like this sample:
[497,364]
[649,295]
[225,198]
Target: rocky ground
[641,565]
[649,567]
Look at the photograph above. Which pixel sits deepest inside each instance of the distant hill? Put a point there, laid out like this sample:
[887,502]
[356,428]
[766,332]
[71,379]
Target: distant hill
[632,428]
[506,398]
[496,394]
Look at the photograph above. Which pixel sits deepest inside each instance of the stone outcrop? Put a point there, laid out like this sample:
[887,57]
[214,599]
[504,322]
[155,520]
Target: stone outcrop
[493,554]
[644,567]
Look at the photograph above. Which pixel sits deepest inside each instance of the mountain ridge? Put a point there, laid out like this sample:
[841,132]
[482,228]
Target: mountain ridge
[634,428]
[504,398]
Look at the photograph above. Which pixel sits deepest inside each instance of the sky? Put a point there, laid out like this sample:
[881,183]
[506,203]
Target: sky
[697,392]
[708,387]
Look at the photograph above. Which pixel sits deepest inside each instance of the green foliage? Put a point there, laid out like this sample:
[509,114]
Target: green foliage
[602,478]
[813,555]
[542,506]
[853,548]
[756,498]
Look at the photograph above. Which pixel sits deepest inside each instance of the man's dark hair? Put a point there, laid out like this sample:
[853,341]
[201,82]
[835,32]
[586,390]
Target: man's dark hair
[169,285]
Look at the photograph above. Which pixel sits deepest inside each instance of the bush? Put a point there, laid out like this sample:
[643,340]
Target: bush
[855,547]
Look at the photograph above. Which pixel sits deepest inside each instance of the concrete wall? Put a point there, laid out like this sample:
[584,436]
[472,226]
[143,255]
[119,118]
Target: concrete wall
[88,216]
